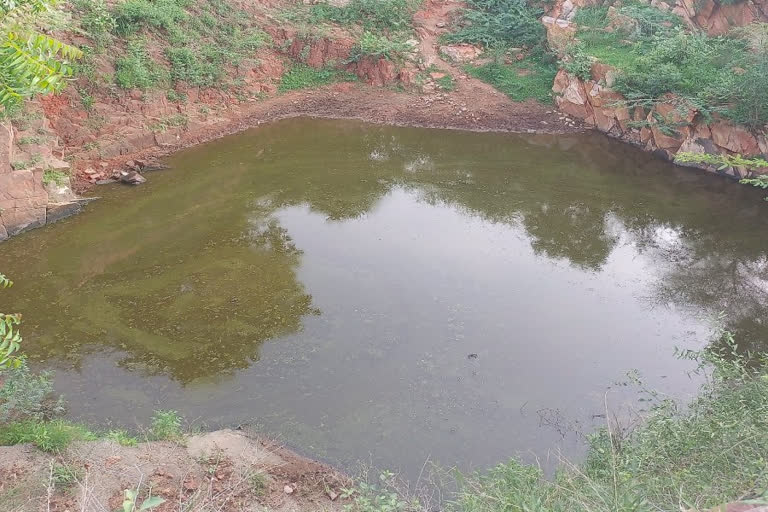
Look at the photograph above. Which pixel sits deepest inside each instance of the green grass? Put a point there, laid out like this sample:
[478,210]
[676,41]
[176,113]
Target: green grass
[379,45]
[135,69]
[65,475]
[301,76]
[54,176]
[49,436]
[521,80]
[446,83]
[695,457]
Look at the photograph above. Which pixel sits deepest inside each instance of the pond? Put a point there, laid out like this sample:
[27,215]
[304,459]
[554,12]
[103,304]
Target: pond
[392,295]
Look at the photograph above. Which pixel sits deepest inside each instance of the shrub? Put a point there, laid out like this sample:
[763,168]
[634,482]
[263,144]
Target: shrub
[122,438]
[499,23]
[26,395]
[375,45]
[577,61]
[166,426]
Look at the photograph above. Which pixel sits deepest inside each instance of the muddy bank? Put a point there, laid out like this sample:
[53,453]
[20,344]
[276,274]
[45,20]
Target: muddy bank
[225,470]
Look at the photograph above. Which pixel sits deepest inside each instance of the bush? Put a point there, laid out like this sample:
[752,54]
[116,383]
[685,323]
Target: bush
[498,24]
[372,14]
[166,426]
[26,395]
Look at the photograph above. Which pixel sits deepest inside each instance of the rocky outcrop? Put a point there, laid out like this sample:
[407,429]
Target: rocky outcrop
[666,129]
[25,202]
[716,17]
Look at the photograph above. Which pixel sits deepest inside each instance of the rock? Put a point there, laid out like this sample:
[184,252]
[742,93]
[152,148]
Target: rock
[461,52]
[59,193]
[332,495]
[734,138]
[288,489]
[190,483]
[132,178]
[560,33]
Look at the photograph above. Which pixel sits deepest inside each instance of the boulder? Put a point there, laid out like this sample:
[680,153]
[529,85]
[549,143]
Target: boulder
[560,33]
[132,178]
[734,138]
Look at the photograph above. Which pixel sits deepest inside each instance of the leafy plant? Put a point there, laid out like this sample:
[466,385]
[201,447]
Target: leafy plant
[30,62]
[27,395]
[97,21]
[166,426]
[10,337]
[136,70]
[130,504]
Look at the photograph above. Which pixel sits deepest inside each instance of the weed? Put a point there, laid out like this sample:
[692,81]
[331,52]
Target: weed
[20,164]
[49,436]
[136,70]
[446,83]
[96,20]
[174,96]
[122,438]
[86,99]
[377,45]
[258,483]
[303,77]
[371,14]
[166,426]
[176,121]
[133,15]
[55,176]
[65,475]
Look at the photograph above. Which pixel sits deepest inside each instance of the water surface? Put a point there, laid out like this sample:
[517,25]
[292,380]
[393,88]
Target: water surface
[391,294]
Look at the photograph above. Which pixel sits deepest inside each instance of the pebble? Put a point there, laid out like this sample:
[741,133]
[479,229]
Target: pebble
[288,489]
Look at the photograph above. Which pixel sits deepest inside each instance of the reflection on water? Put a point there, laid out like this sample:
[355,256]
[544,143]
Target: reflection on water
[390,293]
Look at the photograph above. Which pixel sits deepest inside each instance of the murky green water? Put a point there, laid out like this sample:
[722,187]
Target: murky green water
[391,294]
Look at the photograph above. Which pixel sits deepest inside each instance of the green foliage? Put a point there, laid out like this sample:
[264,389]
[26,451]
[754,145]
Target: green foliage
[55,176]
[131,503]
[301,76]
[706,454]
[712,74]
[49,436]
[133,15]
[97,21]
[378,45]
[136,70]
[30,62]
[576,61]
[26,395]
[166,426]
[65,475]
[10,340]
[381,497]
[371,14]
[257,481]
[499,24]
[520,80]
[446,83]
[122,438]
